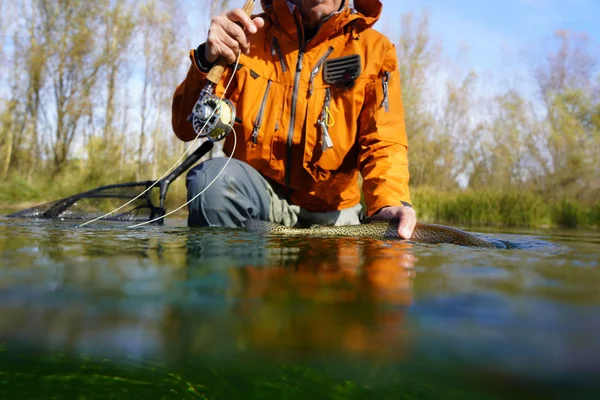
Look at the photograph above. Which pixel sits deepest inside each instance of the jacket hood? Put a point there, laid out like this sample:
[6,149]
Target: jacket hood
[364,14]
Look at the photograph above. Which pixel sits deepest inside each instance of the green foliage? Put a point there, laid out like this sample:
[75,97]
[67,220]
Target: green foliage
[486,207]
[480,207]
[17,190]
[67,122]
[594,215]
[567,214]
[526,162]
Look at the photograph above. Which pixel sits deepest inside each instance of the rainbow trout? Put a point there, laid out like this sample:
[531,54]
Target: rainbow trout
[423,233]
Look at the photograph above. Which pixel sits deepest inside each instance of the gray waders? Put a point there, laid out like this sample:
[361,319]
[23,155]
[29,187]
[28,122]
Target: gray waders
[242,193]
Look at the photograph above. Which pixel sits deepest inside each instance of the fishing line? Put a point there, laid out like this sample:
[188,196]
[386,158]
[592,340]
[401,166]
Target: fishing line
[176,162]
[202,191]
[513,209]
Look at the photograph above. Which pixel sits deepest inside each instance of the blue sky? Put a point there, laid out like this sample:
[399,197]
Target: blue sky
[494,30]
[496,33]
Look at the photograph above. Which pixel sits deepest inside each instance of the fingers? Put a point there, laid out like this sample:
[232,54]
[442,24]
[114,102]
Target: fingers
[406,225]
[225,39]
[235,32]
[238,15]
[258,22]
[225,51]
[407,219]
[227,35]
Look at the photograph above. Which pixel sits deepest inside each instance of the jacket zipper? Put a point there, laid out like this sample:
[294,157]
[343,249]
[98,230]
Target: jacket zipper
[385,82]
[259,117]
[316,69]
[276,50]
[290,138]
[326,142]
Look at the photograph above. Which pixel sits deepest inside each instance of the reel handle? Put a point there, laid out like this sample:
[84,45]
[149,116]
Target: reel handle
[216,72]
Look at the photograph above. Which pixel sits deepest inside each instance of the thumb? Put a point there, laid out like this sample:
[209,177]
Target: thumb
[406,225]
[405,232]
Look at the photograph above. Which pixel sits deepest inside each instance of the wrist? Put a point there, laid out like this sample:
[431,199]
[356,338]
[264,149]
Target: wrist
[202,62]
[402,204]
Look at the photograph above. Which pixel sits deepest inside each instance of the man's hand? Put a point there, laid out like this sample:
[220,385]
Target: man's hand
[226,35]
[406,216]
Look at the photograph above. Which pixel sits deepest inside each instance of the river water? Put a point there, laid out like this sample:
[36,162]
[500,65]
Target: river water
[172,312]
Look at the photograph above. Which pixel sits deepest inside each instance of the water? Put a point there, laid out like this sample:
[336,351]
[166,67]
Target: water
[173,312]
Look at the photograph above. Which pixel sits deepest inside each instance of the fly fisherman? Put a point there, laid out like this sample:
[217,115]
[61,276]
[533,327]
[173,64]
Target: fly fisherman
[317,94]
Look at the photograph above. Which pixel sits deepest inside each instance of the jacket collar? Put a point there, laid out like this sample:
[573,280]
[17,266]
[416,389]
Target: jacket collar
[364,15]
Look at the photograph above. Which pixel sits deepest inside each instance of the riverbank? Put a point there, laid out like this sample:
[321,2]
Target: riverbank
[458,207]
[18,194]
[509,208]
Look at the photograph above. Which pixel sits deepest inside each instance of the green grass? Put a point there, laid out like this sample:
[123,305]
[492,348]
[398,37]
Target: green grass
[510,208]
[16,192]
[459,207]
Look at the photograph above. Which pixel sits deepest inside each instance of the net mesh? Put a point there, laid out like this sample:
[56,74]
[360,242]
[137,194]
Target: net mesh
[99,201]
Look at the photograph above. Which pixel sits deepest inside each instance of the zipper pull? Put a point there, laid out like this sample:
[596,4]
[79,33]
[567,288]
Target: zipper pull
[310,84]
[385,81]
[326,142]
[276,50]
[299,64]
[261,111]
[316,69]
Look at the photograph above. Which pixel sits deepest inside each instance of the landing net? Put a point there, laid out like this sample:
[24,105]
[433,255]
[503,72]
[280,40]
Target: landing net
[99,201]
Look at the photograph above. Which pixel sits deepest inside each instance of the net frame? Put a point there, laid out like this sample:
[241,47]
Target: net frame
[142,210]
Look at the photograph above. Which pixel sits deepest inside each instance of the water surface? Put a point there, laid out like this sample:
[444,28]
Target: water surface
[173,312]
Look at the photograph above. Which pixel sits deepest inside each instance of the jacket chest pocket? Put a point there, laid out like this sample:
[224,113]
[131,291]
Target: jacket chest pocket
[330,142]
[260,113]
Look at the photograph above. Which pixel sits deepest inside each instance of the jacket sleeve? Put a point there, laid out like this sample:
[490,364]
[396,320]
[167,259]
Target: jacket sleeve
[187,94]
[383,146]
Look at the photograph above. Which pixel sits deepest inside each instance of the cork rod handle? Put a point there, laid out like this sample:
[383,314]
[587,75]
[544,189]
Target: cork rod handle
[216,72]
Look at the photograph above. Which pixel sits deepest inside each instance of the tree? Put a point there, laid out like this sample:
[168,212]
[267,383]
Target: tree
[569,87]
[75,58]
[162,25]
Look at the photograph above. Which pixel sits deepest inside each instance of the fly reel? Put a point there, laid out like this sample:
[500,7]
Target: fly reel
[212,117]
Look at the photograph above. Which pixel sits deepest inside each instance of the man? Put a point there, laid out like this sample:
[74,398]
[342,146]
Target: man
[318,95]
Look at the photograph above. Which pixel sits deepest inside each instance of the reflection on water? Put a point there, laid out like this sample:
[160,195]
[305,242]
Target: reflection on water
[345,306]
[182,292]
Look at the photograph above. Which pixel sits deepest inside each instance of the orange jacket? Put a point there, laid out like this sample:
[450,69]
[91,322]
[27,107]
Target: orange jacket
[280,95]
